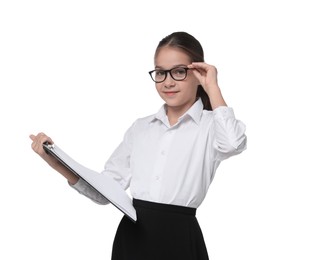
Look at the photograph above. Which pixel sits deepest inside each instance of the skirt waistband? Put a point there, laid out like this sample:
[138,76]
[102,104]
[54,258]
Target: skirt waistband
[164,207]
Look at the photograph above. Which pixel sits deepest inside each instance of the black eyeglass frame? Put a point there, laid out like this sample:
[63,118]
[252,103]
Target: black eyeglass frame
[169,71]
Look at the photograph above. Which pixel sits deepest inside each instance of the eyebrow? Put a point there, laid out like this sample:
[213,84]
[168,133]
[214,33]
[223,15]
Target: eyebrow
[174,66]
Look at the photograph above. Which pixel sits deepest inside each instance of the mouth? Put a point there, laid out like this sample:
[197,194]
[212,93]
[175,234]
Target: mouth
[170,93]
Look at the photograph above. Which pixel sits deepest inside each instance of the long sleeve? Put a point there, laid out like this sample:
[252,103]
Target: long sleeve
[87,190]
[229,133]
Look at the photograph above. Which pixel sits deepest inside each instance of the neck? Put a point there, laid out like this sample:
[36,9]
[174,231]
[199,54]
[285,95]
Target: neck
[173,117]
[174,113]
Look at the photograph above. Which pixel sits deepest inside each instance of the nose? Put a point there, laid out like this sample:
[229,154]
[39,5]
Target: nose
[169,81]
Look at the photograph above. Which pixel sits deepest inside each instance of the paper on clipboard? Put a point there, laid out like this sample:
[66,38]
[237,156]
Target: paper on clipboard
[104,184]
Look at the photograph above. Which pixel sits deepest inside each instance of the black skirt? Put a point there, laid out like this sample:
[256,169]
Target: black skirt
[162,232]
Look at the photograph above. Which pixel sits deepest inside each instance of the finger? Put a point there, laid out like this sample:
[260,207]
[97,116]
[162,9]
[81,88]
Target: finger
[199,65]
[197,73]
[203,66]
[42,138]
[38,140]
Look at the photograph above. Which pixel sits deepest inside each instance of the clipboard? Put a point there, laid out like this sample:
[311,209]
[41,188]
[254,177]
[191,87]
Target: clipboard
[103,183]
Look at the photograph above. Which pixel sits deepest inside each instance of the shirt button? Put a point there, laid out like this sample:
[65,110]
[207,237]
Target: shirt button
[163,152]
[157,178]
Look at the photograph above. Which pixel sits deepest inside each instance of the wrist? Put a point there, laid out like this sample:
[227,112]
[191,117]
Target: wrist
[215,96]
[212,88]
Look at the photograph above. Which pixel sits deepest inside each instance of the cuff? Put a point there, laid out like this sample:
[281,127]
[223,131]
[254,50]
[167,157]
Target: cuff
[223,112]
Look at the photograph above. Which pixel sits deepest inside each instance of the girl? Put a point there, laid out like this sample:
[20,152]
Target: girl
[170,158]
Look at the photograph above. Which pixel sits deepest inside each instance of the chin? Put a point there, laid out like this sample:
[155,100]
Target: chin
[178,103]
[172,104]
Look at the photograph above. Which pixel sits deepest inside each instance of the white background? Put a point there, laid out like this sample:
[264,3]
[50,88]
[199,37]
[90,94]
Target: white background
[77,70]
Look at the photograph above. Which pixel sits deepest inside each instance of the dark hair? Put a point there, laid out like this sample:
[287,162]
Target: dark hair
[192,47]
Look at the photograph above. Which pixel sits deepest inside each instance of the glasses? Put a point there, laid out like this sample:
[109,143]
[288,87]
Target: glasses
[177,74]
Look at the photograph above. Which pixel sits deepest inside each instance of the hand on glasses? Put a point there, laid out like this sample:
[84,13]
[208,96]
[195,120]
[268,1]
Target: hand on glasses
[206,74]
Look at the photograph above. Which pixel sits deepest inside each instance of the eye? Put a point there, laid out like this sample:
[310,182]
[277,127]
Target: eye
[179,71]
[159,73]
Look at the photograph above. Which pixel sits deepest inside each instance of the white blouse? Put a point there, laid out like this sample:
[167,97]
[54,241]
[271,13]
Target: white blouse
[173,164]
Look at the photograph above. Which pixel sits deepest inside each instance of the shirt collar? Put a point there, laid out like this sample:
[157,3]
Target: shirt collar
[195,112]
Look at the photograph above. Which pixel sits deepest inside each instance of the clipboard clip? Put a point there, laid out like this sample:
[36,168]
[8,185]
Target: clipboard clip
[48,147]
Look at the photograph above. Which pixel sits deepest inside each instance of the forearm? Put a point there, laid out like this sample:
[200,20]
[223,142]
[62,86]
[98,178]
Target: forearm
[71,177]
[215,96]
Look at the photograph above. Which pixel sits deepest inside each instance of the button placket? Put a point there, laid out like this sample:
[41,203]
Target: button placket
[160,162]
